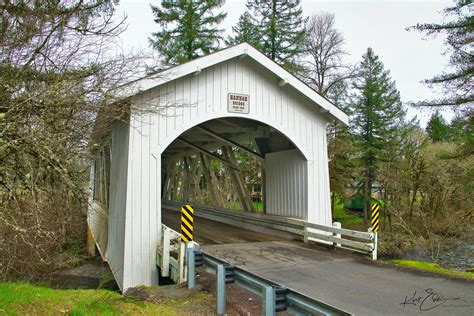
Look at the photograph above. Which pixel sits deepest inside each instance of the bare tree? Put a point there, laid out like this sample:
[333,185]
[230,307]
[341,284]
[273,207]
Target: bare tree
[324,46]
[58,67]
[326,72]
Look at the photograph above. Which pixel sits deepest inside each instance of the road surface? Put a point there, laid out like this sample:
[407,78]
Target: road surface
[347,281]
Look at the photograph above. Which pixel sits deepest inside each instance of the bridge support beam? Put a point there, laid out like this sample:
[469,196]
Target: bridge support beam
[206,170]
[187,176]
[238,181]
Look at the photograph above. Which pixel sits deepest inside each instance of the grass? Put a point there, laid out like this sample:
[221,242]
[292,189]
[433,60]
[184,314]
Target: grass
[431,267]
[25,298]
[346,218]
[258,206]
[235,205]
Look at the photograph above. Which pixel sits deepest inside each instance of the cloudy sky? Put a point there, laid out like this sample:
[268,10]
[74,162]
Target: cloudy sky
[380,24]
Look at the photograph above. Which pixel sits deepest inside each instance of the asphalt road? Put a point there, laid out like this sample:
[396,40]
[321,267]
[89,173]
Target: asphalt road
[347,281]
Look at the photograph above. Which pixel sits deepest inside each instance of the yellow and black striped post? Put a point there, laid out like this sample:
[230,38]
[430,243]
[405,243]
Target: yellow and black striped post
[187,220]
[375,217]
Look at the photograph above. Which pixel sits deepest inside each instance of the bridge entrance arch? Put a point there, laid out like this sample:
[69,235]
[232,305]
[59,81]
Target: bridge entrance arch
[193,162]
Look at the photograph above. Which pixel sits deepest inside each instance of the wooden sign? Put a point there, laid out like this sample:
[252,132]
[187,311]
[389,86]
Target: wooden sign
[238,103]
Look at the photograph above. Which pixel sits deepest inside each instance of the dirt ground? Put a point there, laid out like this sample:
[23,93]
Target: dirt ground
[239,301]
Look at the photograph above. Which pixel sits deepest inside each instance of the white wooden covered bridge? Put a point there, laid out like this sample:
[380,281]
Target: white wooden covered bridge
[201,108]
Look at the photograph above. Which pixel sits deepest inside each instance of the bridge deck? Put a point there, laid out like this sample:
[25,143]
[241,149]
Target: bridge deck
[207,232]
[347,281]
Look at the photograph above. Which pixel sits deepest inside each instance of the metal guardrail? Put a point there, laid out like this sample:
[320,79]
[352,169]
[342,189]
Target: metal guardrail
[365,242]
[275,297]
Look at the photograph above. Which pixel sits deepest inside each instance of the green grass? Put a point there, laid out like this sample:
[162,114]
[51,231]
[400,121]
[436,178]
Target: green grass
[346,218]
[258,206]
[431,267]
[25,298]
[235,205]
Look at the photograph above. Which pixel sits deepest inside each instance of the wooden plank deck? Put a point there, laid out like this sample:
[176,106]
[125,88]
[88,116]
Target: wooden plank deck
[208,232]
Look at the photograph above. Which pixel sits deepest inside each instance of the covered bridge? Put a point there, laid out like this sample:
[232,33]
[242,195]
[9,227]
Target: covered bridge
[201,108]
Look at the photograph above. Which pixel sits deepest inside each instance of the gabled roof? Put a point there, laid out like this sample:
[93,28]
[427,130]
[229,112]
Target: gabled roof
[244,49]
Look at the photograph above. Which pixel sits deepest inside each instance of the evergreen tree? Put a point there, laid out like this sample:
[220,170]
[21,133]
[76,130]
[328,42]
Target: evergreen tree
[458,84]
[438,129]
[245,31]
[188,29]
[340,146]
[462,132]
[281,29]
[377,117]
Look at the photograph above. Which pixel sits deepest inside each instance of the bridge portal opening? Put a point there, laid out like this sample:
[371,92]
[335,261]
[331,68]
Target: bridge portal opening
[234,165]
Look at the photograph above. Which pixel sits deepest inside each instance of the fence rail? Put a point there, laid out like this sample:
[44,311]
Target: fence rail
[366,244]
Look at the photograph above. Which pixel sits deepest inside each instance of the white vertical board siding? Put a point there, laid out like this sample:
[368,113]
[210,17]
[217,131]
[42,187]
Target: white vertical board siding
[197,99]
[286,184]
[118,191]
[143,216]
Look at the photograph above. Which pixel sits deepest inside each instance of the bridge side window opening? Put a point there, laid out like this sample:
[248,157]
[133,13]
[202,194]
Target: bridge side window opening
[101,188]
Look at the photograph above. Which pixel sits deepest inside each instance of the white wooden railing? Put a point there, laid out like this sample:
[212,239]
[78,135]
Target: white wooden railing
[170,255]
[365,242]
[360,241]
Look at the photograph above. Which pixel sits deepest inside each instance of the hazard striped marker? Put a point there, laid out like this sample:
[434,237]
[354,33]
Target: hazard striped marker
[187,220]
[375,217]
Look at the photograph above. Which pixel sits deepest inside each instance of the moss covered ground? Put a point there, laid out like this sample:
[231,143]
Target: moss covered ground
[431,267]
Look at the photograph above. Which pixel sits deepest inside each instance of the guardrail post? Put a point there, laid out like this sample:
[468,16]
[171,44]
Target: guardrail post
[220,289]
[374,244]
[268,302]
[165,266]
[337,225]
[191,267]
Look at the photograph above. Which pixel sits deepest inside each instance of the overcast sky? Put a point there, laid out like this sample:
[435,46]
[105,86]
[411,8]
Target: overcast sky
[379,24]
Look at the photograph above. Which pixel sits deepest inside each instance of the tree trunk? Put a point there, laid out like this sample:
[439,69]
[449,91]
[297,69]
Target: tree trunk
[386,211]
[273,31]
[367,198]
[413,199]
